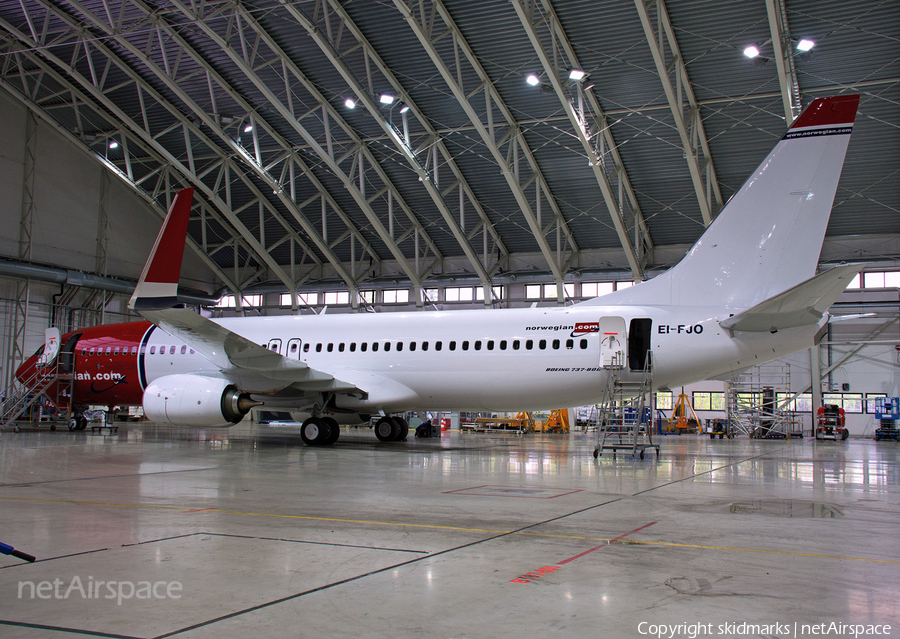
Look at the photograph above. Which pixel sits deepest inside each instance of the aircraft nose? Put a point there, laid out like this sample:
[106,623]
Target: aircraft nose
[24,370]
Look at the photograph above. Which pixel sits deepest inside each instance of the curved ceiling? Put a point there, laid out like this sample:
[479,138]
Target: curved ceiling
[469,169]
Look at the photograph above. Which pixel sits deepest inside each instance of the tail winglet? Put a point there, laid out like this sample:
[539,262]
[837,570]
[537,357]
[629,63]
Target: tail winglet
[158,286]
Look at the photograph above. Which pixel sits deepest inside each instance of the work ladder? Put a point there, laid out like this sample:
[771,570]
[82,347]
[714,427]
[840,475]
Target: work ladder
[46,384]
[624,420]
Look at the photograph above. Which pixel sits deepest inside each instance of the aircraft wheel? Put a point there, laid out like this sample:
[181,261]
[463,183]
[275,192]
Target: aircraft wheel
[73,425]
[52,426]
[404,429]
[642,455]
[334,430]
[596,453]
[387,429]
[845,434]
[313,431]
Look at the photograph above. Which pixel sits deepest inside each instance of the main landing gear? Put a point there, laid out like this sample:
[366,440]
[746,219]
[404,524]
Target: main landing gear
[391,429]
[320,431]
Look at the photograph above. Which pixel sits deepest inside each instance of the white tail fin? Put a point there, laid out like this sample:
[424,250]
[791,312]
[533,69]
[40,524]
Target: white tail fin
[768,237]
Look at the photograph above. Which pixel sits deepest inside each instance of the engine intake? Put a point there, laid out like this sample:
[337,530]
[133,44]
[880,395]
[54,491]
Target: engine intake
[195,400]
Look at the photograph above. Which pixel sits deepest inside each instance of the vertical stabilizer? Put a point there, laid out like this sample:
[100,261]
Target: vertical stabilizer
[768,237]
[158,286]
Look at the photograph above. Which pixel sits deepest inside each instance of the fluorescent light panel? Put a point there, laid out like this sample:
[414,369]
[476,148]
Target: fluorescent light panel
[805,45]
[751,51]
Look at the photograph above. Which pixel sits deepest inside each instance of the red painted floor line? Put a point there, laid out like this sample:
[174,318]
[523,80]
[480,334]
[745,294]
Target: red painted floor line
[586,552]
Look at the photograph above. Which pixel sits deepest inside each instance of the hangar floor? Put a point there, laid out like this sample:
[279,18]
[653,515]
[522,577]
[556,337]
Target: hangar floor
[473,535]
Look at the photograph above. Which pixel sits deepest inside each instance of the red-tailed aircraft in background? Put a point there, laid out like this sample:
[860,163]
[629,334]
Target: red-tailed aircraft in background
[747,292]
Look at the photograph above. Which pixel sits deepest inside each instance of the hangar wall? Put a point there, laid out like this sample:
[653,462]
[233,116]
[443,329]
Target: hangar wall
[66,221]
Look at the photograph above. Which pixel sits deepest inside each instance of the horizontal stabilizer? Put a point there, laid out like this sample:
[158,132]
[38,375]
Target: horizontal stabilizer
[802,305]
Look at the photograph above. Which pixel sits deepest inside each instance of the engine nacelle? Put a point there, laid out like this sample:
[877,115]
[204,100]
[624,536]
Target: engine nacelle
[195,400]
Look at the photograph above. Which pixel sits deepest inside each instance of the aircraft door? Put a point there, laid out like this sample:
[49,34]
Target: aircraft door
[67,354]
[293,348]
[639,333]
[612,342]
[51,346]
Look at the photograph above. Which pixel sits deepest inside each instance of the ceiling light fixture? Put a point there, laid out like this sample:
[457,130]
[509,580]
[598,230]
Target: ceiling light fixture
[114,145]
[751,51]
[248,128]
[386,99]
[349,103]
[805,45]
[533,80]
[404,108]
[577,75]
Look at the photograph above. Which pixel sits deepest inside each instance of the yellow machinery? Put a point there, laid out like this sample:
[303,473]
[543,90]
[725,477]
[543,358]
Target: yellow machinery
[557,422]
[680,422]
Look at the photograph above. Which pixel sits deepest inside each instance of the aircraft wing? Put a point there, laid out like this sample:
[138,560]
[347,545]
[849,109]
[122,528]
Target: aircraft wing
[236,356]
[802,305]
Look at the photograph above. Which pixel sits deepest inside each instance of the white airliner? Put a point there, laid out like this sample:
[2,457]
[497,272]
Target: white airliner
[746,293]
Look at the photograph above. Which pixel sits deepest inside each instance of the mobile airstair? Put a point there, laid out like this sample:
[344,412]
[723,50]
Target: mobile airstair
[624,422]
[43,398]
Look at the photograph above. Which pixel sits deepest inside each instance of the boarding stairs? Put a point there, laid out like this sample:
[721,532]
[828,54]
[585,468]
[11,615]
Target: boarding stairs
[624,420]
[30,399]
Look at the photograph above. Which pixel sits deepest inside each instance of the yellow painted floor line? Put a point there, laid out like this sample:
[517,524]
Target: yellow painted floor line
[457,528]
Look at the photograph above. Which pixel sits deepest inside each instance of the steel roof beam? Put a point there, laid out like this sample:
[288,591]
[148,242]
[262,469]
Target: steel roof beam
[677,86]
[431,21]
[144,195]
[81,48]
[591,128]
[788,81]
[251,48]
[450,201]
[292,165]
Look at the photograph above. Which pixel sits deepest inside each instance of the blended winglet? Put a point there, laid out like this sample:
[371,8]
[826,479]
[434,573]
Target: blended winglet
[158,286]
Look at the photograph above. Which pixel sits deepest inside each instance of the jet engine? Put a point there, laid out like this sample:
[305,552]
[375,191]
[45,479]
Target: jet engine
[195,400]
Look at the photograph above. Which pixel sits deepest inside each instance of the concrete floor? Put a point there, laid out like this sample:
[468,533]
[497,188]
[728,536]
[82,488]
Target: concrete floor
[474,535]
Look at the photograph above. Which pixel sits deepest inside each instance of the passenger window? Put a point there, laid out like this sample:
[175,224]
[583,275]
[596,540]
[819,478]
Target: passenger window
[515,344]
[153,350]
[374,346]
[438,346]
[412,346]
[556,344]
[502,344]
[465,345]
[529,344]
[306,348]
[364,346]
[184,349]
[318,348]
[570,343]
[192,351]
[108,350]
[171,350]
[330,347]
[424,346]
[583,344]
[83,352]
[387,346]
[341,347]
[162,350]
[352,347]
[542,344]
[293,348]
[116,351]
[490,344]
[399,346]
[452,345]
